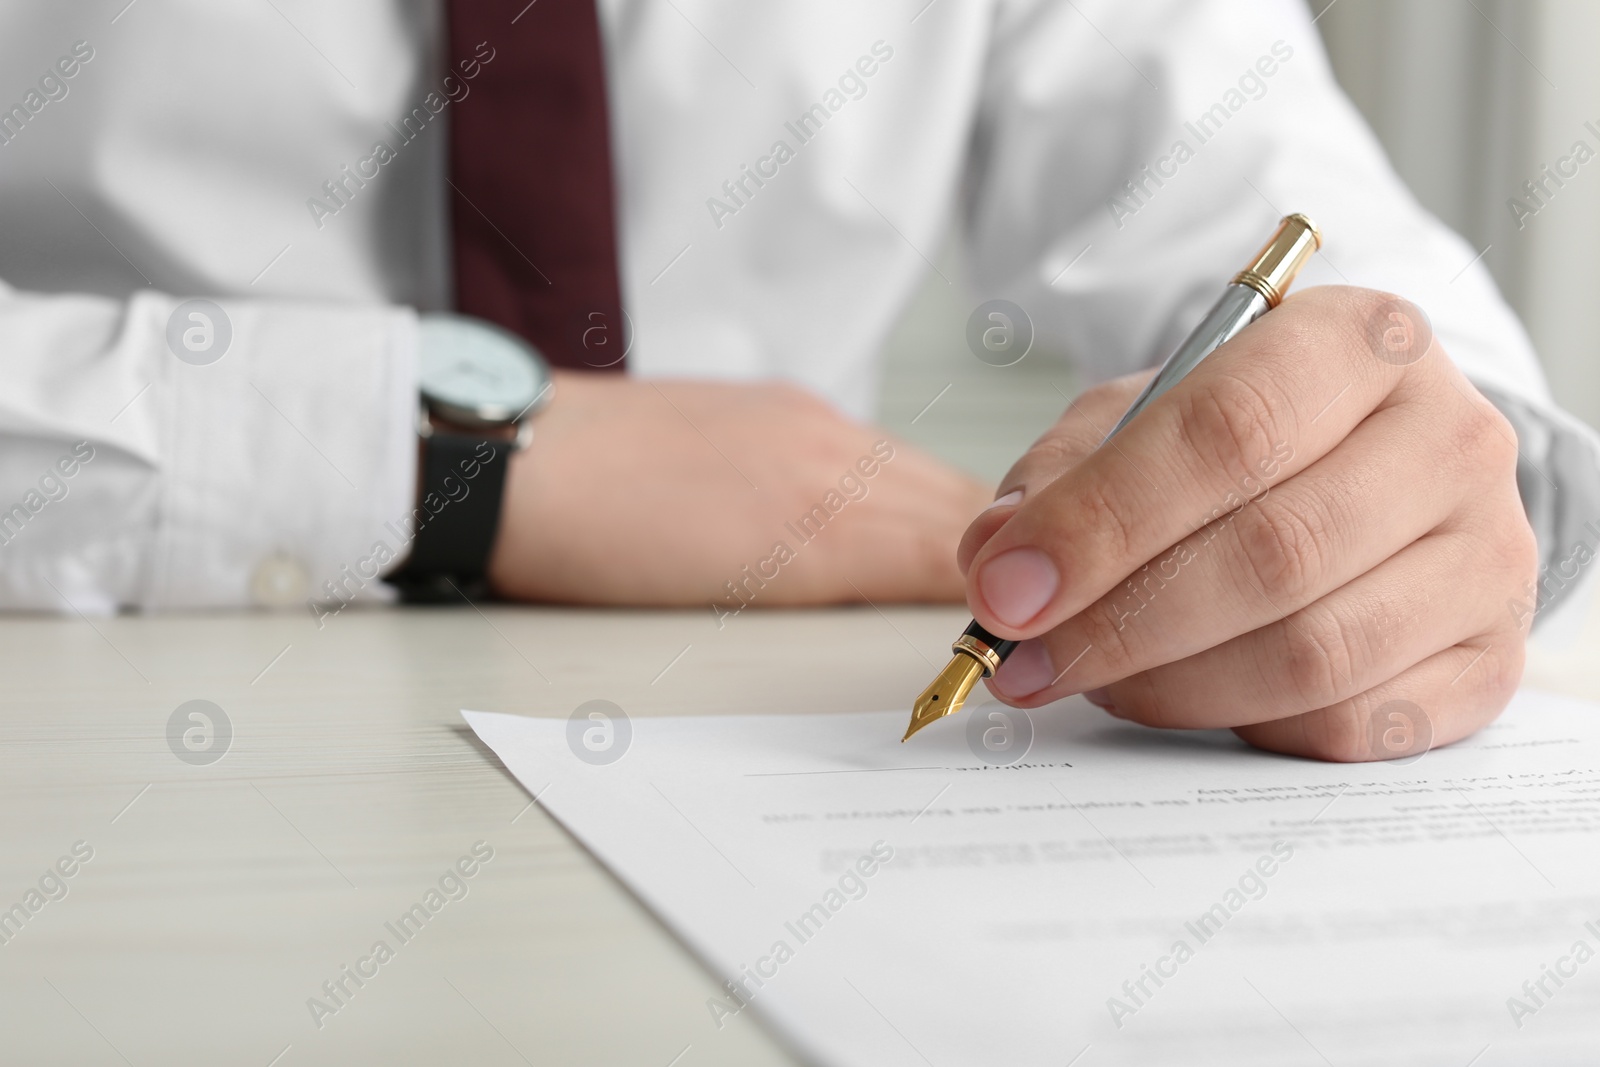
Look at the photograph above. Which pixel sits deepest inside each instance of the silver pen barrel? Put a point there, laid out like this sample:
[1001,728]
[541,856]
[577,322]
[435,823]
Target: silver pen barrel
[1237,307]
[1253,292]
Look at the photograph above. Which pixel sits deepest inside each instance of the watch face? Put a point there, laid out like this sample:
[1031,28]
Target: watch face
[477,371]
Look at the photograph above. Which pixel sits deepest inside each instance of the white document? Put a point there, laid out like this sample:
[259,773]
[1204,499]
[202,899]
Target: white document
[1103,893]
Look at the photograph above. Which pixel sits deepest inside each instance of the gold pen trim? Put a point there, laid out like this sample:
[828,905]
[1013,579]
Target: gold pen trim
[978,650]
[1280,259]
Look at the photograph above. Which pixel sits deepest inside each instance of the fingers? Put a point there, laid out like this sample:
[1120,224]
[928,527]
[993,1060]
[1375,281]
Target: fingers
[1344,644]
[1439,701]
[1268,404]
[1289,547]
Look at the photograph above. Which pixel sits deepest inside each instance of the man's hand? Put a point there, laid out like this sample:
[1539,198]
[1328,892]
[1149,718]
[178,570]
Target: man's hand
[1320,520]
[662,492]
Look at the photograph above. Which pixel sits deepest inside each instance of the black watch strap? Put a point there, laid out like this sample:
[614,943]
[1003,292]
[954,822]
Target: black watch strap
[457,515]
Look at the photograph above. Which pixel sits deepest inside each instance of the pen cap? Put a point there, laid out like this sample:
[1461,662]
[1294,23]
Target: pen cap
[1272,270]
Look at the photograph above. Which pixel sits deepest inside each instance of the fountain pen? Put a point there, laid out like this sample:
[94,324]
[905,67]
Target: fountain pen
[1254,291]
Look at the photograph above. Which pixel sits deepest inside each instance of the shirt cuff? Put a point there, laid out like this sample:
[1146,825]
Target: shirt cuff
[284,460]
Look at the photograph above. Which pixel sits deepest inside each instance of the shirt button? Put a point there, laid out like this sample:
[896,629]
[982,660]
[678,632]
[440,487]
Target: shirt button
[279,582]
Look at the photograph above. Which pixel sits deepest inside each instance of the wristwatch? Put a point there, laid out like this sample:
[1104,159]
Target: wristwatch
[480,388]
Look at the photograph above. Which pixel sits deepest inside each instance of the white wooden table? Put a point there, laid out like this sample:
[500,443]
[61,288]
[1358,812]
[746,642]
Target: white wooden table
[220,897]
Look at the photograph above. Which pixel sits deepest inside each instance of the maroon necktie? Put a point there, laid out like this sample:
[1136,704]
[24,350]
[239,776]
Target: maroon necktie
[530,162]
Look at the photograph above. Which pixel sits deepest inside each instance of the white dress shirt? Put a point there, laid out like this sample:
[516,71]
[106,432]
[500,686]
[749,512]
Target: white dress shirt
[784,170]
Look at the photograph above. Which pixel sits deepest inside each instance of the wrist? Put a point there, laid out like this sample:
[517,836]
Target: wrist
[480,387]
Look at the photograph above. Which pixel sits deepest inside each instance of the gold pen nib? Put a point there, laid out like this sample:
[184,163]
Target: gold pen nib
[947,693]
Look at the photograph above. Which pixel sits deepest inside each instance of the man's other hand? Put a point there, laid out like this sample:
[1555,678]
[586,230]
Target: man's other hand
[680,493]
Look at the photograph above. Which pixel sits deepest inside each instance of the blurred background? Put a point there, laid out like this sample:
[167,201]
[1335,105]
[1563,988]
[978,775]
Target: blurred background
[1471,98]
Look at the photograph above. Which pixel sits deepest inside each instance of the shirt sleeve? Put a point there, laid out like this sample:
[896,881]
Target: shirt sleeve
[161,453]
[1130,157]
